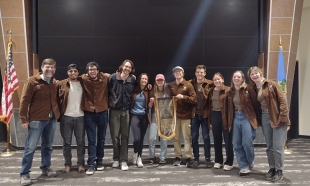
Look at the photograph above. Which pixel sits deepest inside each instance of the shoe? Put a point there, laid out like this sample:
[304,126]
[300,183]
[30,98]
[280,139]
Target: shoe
[278,176]
[81,169]
[90,171]
[251,166]
[195,163]
[66,169]
[139,162]
[270,174]
[124,166]
[49,172]
[99,167]
[25,180]
[208,163]
[217,165]
[153,160]
[162,162]
[244,172]
[228,167]
[188,162]
[177,161]
[115,164]
[134,158]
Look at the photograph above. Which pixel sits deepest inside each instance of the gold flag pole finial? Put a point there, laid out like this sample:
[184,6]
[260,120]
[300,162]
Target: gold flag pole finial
[280,44]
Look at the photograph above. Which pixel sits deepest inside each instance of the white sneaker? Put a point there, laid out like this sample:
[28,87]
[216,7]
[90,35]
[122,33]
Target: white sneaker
[228,167]
[217,165]
[139,162]
[244,172]
[115,164]
[124,166]
[251,166]
[134,158]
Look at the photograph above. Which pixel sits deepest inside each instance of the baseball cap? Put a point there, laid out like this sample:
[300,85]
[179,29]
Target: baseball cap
[73,66]
[160,76]
[177,68]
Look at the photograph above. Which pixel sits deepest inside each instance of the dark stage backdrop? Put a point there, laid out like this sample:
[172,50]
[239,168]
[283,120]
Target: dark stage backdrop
[155,34]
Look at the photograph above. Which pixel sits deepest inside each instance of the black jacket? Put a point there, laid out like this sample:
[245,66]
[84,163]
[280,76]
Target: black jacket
[120,91]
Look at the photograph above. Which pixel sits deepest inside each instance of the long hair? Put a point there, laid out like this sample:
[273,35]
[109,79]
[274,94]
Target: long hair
[243,84]
[137,88]
[166,90]
[257,69]
[132,66]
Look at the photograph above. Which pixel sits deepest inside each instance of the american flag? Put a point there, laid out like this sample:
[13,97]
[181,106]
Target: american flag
[10,84]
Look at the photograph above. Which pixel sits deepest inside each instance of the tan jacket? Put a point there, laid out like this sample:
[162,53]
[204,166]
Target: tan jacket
[223,105]
[95,95]
[249,103]
[276,103]
[206,85]
[38,99]
[185,105]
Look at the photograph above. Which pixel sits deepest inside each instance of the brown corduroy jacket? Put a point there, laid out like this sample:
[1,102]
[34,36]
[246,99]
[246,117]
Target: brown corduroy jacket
[223,105]
[276,103]
[206,86]
[185,105]
[249,103]
[38,99]
[95,95]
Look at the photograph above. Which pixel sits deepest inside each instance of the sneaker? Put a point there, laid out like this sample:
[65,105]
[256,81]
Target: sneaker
[134,158]
[115,164]
[270,174]
[25,180]
[217,165]
[244,172]
[153,160]
[251,166]
[99,167]
[66,169]
[278,176]
[139,162]
[49,172]
[81,169]
[124,166]
[208,163]
[228,167]
[162,162]
[90,171]
[195,163]
[188,162]
[177,161]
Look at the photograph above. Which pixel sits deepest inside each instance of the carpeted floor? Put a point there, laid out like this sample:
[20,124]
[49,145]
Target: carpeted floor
[297,170]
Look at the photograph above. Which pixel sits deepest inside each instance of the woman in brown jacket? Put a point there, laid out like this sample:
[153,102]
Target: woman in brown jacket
[139,116]
[274,118]
[242,116]
[217,118]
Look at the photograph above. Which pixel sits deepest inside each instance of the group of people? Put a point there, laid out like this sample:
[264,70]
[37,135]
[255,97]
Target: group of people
[91,101]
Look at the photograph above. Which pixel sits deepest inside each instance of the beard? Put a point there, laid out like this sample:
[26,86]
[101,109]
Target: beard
[48,74]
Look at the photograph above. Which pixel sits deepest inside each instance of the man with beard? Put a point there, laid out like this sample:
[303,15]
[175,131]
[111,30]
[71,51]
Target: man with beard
[95,107]
[121,85]
[72,117]
[38,112]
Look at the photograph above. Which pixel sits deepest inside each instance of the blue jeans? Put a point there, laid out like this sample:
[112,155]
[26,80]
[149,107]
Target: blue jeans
[243,137]
[195,125]
[153,134]
[36,129]
[96,126]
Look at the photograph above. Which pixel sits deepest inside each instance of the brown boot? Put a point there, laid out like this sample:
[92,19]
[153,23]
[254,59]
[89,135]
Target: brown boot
[66,169]
[81,169]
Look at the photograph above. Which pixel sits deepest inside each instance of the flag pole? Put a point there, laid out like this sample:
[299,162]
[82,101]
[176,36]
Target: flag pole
[286,149]
[8,152]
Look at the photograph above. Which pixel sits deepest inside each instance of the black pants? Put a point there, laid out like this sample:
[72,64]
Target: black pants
[68,126]
[218,134]
[138,124]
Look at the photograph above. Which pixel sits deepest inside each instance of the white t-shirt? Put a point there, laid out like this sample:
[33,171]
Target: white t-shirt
[74,100]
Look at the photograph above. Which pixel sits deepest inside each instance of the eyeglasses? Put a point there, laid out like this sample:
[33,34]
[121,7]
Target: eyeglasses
[92,69]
